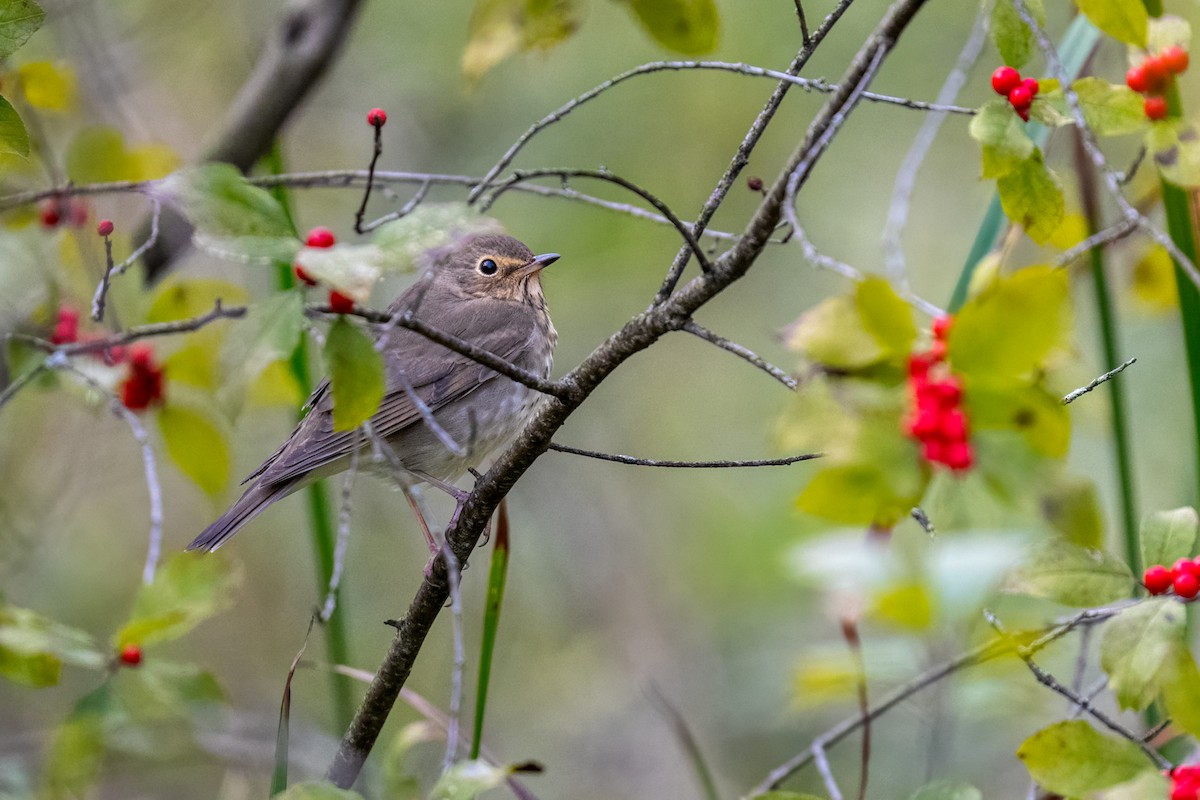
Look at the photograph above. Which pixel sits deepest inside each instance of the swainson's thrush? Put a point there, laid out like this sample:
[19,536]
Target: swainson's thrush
[485,289]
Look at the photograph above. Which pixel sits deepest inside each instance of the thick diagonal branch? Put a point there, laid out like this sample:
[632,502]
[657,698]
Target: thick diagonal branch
[639,333]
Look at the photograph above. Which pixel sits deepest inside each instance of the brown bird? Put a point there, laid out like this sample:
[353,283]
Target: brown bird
[485,289]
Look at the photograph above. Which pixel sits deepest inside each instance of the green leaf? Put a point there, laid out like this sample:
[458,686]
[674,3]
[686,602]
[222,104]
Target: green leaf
[47,85]
[886,316]
[1009,329]
[1069,503]
[355,374]
[249,249]
[169,689]
[1168,536]
[467,779]
[1073,758]
[19,19]
[1066,573]
[1005,143]
[1136,645]
[1124,20]
[14,139]
[188,589]
[690,27]
[1175,145]
[317,790]
[1012,37]
[947,790]
[77,753]
[402,242]
[858,494]
[33,648]
[1032,197]
[197,441]
[351,269]
[1181,691]
[219,202]
[1040,417]
[268,334]
[1110,110]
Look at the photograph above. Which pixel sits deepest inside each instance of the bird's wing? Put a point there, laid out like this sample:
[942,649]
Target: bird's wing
[436,375]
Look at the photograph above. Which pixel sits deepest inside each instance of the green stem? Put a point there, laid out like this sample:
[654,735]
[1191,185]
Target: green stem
[320,517]
[1090,199]
[497,577]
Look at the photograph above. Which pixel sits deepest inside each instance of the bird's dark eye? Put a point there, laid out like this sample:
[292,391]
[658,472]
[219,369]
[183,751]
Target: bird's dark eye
[488,266]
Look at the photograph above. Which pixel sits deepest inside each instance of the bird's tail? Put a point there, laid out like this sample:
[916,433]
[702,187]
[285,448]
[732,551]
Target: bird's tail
[249,505]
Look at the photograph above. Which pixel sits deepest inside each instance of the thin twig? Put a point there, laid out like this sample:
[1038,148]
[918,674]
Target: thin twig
[59,361]
[906,177]
[744,353]
[102,289]
[1082,390]
[1112,233]
[343,532]
[850,634]
[454,576]
[376,151]
[804,35]
[20,382]
[520,176]
[134,334]
[404,211]
[151,240]
[821,760]
[923,520]
[687,740]
[648,462]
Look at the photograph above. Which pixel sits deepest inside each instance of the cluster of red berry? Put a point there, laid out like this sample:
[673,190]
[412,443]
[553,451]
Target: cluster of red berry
[938,421]
[1183,577]
[66,327]
[323,237]
[1153,77]
[143,386]
[72,211]
[1185,782]
[1020,92]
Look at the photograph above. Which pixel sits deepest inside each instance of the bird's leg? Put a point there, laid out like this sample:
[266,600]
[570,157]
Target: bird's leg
[412,495]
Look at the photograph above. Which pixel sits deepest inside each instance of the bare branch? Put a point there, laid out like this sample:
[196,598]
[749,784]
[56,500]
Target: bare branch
[741,352]
[343,532]
[1112,233]
[1082,390]
[648,462]
[376,151]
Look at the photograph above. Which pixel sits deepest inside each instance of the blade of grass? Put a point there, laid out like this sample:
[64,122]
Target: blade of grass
[1077,44]
[320,516]
[497,576]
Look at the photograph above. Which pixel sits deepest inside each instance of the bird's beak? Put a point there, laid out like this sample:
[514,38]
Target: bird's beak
[539,263]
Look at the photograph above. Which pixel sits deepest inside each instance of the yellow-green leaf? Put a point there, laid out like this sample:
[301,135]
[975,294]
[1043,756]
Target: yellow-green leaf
[947,790]
[1137,644]
[908,606]
[188,589]
[690,27]
[1032,197]
[353,269]
[99,155]
[1009,329]
[1168,536]
[833,334]
[468,779]
[197,441]
[1002,136]
[276,386]
[19,19]
[14,139]
[1154,280]
[47,85]
[356,375]
[185,298]
[33,648]
[858,494]
[1110,110]
[886,316]
[1073,759]
[76,754]
[1030,410]
[1010,34]
[1071,506]
[1124,20]
[1066,573]
[1175,145]
[1181,691]
[498,28]
[316,790]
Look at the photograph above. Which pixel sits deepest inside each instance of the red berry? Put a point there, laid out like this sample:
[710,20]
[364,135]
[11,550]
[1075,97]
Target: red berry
[934,451]
[1005,79]
[948,392]
[1156,72]
[918,365]
[923,424]
[1155,108]
[50,213]
[105,228]
[66,328]
[1032,85]
[141,356]
[320,237]
[77,212]
[1157,579]
[377,117]
[340,303]
[960,456]
[143,385]
[937,351]
[1023,113]
[1135,79]
[1184,566]
[941,326]
[1175,58]
[953,427]
[1020,97]
[303,276]
[754,183]
[131,655]
[1186,585]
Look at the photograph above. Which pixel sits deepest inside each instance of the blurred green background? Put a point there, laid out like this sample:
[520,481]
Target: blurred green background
[624,581]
